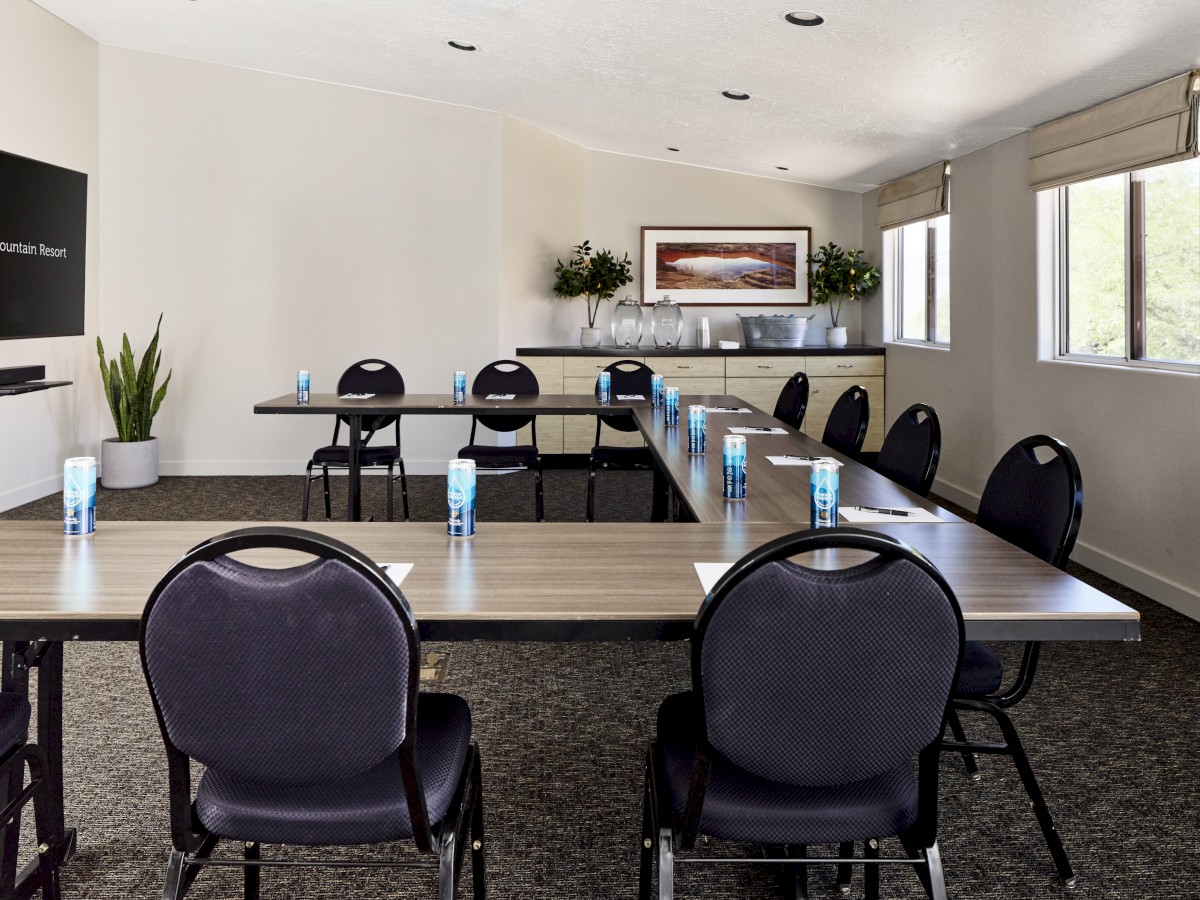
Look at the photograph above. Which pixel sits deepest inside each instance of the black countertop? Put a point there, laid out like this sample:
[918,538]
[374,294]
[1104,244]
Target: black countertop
[819,350]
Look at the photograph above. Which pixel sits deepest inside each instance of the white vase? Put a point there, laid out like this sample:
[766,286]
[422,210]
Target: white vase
[589,337]
[128,464]
[836,336]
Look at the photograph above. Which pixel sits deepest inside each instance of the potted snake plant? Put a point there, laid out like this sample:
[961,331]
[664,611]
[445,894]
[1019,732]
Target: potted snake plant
[130,460]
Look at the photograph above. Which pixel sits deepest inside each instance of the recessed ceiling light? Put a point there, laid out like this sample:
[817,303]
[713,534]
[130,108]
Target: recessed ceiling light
[735,95]
[803,18]
[461,45]
[782,168]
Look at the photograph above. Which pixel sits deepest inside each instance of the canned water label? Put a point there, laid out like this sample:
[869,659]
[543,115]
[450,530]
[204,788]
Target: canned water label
[79,495]
[671,398]
[460,387]
[696,418]
[604,387]
[460,498]
[733,451]
[823,484]
[302,386]
[656,391]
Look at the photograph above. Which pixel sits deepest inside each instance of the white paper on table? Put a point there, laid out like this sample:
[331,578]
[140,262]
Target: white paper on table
[356,396]
[915,514]
[630,397]
[726,409]
[710,573]
[801,461]
[750,429]
[502,396]
[396,571]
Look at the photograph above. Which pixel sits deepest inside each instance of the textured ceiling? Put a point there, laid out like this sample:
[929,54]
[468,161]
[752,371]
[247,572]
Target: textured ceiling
[884,87]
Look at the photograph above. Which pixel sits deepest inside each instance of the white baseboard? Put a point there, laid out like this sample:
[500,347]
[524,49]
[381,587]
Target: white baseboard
[1178,597]
[30,492]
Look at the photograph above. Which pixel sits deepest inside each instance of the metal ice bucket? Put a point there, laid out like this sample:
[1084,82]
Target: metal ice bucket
[774,331]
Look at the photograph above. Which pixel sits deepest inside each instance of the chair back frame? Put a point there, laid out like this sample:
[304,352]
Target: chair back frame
[907,424]
[628,377]
[793,401]
[519,379]
[187,834]
[358,379]
[853,400]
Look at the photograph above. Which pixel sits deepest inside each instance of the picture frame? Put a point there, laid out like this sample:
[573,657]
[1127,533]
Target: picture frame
[726,265]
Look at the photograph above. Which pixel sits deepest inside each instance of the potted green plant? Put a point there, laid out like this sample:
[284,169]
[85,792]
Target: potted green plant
[594,278]
[840,277]
[130,459]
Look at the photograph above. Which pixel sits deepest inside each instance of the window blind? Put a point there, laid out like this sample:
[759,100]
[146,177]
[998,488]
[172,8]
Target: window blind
[921,195]
[1150,127]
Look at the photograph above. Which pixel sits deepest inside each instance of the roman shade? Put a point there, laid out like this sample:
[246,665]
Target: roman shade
[921,195]
[1150,127]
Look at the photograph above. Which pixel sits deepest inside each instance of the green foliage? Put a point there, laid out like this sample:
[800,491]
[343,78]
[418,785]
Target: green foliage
[840,277]
[594,278]
[131,394]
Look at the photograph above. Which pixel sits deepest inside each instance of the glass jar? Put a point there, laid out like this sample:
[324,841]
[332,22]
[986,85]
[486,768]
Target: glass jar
[627,323]
[666,322]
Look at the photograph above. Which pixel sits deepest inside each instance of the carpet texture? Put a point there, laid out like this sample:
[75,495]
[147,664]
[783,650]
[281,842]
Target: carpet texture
[562,729]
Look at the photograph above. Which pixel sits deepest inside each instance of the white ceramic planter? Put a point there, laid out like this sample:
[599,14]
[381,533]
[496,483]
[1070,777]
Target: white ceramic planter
[131,464]
[836,337]
[589,337]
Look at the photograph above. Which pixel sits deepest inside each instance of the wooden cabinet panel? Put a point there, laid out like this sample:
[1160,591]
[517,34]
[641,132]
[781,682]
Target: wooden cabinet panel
[763,366]
[549,372]
[760,392]
[591,366]
[844,366]
[687,366]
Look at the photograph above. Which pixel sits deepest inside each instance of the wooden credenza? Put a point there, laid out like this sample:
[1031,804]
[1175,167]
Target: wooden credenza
[757,376]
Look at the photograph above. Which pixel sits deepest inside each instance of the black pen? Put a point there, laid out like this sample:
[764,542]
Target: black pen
[886,512]
[757,428]
[724,409]
[806,458]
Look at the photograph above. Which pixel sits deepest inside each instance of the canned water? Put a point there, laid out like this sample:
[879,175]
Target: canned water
[733,452]
[823,484]
[460,498]
[302,386]
[671,398]
[460,387]
[696,429]
[604,387]
[656,391]
[79,495]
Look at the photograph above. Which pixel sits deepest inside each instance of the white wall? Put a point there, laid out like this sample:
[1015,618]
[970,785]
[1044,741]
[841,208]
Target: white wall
[283,224]
[1135,433]
[48,112]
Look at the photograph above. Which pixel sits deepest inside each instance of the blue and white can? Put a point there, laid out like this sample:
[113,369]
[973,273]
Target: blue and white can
[656,391]
[823,485]
[79,495]
[460,498]
[671,399]
[733,453]
[696,423]
[460,387]
[302,386]
[604,387]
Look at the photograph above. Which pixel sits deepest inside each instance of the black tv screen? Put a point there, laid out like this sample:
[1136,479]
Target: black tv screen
[43,234]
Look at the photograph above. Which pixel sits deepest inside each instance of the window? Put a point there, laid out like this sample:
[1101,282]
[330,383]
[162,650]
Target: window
[917,279]
[1128,249]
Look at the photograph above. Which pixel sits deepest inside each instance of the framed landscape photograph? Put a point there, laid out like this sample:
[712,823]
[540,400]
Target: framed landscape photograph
[726,266]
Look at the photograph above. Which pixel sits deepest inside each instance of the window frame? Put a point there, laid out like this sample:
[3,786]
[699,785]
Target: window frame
[894,250]
[1135,284]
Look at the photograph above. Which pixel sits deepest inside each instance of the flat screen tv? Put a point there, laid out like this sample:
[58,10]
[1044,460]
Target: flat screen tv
[43,234]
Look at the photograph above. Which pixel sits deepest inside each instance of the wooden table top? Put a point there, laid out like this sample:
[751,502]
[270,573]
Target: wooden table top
[773,493]
[529,581]
[443,404]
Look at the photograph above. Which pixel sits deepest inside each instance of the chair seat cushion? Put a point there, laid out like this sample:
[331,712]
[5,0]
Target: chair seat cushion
[336,455]
[367,808]
[981,672]
[14,720]
[622,457]
[743,807]
[522,455]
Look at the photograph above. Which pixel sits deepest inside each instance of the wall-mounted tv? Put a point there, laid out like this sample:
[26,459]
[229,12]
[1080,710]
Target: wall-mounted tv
[43,235]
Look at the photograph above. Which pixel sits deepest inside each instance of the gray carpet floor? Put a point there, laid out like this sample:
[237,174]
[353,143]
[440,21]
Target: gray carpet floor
[1111,729]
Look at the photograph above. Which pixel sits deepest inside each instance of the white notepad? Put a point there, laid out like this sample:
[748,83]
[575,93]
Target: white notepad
[749,429]
[630,397]
[858,516]
[726,409]
[396,571]
[710,573]
[800,460]
[356,396]
[502,396]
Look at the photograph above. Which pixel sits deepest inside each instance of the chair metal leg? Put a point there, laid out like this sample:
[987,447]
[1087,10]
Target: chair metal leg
[403,490]
[307,491]
[537,491]
[446,855]
[646,870]
[325,478]
[845,871]
[937,878]
[796,876]
[916,853]
[591,493]
[174,883]
[666,865]
[51,842]
[253,851]
[871,870]
[959,735]
[478,873]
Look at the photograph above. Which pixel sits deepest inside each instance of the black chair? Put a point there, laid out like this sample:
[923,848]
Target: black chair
[846,427]
[628,377]
[507,376]
[793,401]
[297,690]
[911,449]
[370,376]
[15,754]
[811,692]
[1037,506]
